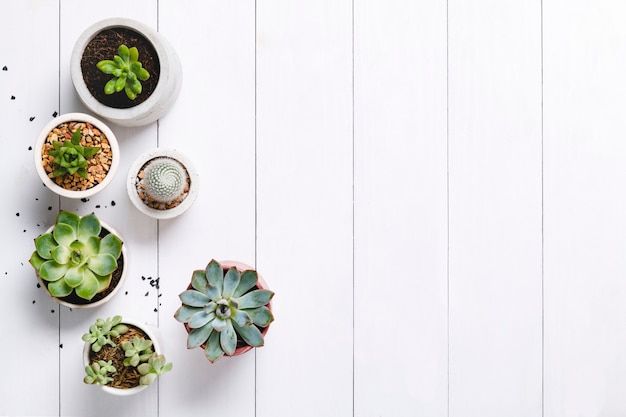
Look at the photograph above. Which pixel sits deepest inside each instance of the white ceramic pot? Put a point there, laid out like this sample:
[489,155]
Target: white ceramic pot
[79,117]
[162,98]
[131,183]
[109,296]
[153,335]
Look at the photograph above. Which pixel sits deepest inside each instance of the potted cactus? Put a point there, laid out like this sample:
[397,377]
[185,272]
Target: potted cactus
[76,155]
[125,72]
[122,356]
[226,309]
[79,260]
[162,183]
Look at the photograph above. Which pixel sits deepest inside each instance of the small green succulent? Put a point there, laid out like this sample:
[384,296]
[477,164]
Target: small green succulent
[155,366]
[99,373]
[73,257]
[70,157]
[164,179]
[140,364]
[127,72]
[101,332]
[222,307]
[137,350]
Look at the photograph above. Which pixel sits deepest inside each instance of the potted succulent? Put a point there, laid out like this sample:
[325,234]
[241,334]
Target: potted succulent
[122,356]
[79,260]
[125,72]
[162,183]
[76,155]
[226,309]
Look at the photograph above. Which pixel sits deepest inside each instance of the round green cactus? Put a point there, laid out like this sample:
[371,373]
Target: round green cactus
[223,307]
[165,179]
[73,257]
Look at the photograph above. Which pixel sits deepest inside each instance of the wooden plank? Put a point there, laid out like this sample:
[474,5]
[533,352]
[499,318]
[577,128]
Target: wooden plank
[400,209]
[584,208]
[29,94]
[304,206]
[137,299]
[495,208]
[213,123]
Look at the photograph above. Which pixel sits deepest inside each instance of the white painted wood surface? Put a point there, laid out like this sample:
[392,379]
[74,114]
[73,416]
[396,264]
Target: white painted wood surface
[433,189]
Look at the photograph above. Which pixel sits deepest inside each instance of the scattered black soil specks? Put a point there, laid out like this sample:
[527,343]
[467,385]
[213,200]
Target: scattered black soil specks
[84,200]
[49,208]
[126,293]
[31,118]
[5,68]
[146,294]
[52,311]
[38,285]
[113,203]
[97,205]
[61,345]
[33,301]
[12,97]
[156,310]
[30,148]
[55,114]
[17,214]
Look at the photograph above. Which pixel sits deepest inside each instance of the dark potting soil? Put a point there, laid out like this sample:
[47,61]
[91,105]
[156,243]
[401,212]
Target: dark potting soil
[104,46]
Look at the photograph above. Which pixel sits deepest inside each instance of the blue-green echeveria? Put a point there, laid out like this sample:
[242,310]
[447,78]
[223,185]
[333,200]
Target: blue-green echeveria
[222,307]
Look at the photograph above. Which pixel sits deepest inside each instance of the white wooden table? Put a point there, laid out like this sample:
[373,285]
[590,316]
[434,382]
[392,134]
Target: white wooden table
[434,190]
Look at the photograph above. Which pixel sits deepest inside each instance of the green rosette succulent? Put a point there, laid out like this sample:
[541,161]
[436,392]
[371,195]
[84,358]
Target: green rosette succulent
[223,307]
[73,257]
[127,72]
[70,157]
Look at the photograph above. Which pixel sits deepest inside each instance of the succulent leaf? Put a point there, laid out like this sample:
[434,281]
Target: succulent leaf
[102,263]
[36,261]
[88,226]
[44,245]
[61,254]
[261,316]
[59,288]
[215,275]
[256,298]
[199,281]
[89,286]
[228,339]
[219,324]
[247,281]
[74,276]
[184,313]
[250,334]
[242,318]
[200,319]
[106,66]
[64,234]
[52,271]
[111,244]
[213,349]
[199,336]
[109,87]
[68,217]
[231,281]
[194,298]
